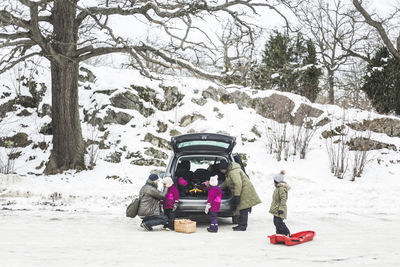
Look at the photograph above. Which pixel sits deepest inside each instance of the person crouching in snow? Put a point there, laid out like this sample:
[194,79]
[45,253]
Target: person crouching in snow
[170,202]
[213,204]
[149,207]
[278,205]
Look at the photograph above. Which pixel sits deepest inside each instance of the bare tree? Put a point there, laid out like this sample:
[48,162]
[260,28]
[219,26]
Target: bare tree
[67,32]
[236,51]
[350,82]
[333,28]
[378,25]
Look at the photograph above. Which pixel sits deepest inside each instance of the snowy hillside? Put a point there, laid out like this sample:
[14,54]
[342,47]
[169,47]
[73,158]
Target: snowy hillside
[127,130]
[128,120]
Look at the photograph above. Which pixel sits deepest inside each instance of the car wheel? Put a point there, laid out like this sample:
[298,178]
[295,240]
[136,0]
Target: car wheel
[235,219]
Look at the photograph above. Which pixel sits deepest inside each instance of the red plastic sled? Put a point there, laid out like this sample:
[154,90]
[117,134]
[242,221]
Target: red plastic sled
[296,238]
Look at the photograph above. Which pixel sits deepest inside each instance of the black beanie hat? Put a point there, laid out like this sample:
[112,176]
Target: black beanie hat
[223,165]
[153,177]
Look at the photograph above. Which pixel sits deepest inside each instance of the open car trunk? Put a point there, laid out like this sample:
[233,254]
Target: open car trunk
[203,142]
[196,172]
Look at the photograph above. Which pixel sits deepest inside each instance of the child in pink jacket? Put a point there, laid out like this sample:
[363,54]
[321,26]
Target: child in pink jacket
[213,204]
[170,202]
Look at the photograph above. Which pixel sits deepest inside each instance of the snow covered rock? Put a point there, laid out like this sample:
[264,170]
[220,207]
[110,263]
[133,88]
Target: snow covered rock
[389,126]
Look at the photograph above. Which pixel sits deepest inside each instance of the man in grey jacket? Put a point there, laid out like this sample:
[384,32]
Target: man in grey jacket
[149,208]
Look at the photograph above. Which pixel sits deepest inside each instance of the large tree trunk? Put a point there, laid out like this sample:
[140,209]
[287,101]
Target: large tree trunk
[331,84]
[68,146]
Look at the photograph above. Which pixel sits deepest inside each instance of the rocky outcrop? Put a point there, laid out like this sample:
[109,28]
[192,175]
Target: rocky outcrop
[304,112]
[127,100]
[27,101]
[214,93]
[7,107]
[199,101]
[388,126]
[241,99]
[116,117]
[46,129]
[149,162]
[275,107]
[157,141]
[333,132]
[45,111]
[114,157]
[24,113]
[323,122]
[17,140]
[365,144]
[105,92]
[155,153]
[172,97]
[189,119]
[174,132]
[86,75]
[162,127]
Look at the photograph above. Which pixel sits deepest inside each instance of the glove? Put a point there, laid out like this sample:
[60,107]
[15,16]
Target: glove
[235,201]
[280,212]
[175,207]
[207,209]
[250,210]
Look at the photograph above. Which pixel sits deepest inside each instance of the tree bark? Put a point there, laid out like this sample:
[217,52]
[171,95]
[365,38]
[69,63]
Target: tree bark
[68,146]
[331,84]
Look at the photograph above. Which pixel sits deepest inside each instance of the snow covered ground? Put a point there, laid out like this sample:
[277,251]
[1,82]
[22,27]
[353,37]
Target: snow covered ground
[356,224]
[101,239]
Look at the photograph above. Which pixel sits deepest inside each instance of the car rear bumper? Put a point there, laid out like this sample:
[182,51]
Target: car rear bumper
[198,206]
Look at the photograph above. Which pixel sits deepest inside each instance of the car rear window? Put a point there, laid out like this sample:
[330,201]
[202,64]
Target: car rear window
[203,143]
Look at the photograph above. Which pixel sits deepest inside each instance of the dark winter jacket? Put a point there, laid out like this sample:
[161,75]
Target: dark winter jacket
[150,199]
[214,198]
[240,185]
[171,198]
[279,199]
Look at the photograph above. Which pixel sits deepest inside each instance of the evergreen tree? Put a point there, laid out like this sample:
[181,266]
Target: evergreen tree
[309,82]
[382,82]
[290,65]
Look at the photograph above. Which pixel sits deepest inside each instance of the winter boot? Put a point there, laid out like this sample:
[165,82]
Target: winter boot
[212,230]
[239,228]
[146,227]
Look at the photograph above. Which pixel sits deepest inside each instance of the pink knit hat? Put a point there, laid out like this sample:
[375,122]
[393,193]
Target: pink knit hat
[182,181]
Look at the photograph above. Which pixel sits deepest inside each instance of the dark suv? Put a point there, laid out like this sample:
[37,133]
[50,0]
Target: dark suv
[195,158]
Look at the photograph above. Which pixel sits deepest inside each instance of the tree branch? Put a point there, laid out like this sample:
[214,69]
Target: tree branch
[378,26]
[13,36]
[89,51]
[11,64]
[6,19]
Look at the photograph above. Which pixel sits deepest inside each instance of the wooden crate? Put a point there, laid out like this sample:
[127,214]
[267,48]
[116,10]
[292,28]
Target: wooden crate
[185,226]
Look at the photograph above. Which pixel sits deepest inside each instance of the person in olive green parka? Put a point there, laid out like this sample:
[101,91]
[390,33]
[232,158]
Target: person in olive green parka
[244,194]
[278,205]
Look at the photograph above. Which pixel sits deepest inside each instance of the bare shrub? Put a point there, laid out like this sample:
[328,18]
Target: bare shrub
[302,136]
[361,156]
[287,140]
[92,146]
[338,153]
[7,164]
[360,159]
[278,140]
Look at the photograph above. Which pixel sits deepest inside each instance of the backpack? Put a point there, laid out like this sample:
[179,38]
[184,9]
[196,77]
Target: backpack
[133,208]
